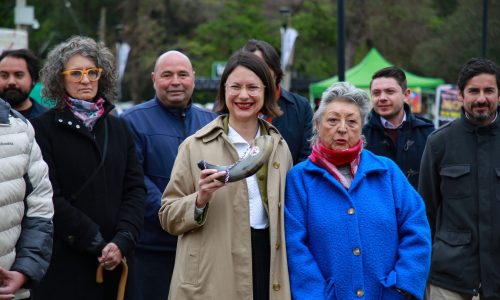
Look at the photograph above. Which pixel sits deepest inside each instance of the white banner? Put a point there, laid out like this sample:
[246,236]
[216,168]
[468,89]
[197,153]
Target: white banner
[122,50]
[11,39]
[288,37]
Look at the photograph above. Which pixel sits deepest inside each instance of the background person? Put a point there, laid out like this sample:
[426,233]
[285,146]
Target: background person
[231,237]
[354,225]
[18,75]
[460,183]
[26,208]
[295,124]
[93,166]
[160,125]
[392,129]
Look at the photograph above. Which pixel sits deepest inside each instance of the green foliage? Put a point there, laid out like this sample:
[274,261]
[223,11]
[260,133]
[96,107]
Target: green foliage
[315,48]
[237,22]
[458,39]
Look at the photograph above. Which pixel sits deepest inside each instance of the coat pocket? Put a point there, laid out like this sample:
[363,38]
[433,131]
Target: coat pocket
[188,253]
[330,293]
[449,250]
[455,180]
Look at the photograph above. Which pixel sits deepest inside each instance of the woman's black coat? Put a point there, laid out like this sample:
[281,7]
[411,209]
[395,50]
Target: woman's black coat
[112,204]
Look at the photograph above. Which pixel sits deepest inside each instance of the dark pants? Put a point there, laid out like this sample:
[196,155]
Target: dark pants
[153,273]
[261,261]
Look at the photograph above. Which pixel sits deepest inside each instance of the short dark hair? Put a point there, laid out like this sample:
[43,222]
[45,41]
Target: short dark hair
[31,60]
[270,55]
[474,67]
[392,72]
[257,66]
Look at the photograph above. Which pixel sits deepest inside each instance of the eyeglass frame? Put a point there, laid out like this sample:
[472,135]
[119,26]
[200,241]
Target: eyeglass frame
[84,72]
[241,87]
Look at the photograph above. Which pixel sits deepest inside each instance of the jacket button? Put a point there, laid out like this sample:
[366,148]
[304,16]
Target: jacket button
[360,293]
[276,165]
[356,251]
[71,239]
[276,286]
[350,211]
[278,245]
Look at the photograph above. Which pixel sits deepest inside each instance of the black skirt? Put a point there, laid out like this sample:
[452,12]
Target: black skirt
[261,261]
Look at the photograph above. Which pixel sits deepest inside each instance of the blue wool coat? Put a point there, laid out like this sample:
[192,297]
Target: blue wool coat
[366,241]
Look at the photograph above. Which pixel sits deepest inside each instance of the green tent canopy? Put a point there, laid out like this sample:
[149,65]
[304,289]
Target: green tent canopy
[361,74]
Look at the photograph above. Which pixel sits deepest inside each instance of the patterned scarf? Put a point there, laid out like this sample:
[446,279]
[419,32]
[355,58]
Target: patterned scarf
[330,159]
[88,112]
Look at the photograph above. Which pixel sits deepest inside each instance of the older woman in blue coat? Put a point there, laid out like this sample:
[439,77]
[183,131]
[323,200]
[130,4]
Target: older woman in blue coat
[355,227]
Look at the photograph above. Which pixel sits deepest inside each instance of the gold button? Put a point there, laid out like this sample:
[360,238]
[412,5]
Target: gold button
[360,293]
[350,211]
[356,251]
[276,286]
[276,165]
[261,177]
[278,245]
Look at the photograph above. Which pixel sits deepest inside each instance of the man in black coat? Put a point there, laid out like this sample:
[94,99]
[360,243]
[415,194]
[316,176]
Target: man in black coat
[392,129]
[460,184]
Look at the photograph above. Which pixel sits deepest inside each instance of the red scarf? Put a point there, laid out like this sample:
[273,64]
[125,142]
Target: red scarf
[330,159]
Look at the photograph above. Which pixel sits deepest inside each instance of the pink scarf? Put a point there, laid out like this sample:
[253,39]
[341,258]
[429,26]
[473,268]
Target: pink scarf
[330,159]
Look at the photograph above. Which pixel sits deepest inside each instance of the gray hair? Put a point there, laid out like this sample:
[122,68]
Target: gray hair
[53,81]
[341,91]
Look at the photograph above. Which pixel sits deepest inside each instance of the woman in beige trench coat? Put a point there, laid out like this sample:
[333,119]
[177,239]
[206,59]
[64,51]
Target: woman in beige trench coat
[231,237]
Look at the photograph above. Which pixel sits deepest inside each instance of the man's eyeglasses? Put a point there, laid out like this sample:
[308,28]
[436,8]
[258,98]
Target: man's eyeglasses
[252,89]
[76,75]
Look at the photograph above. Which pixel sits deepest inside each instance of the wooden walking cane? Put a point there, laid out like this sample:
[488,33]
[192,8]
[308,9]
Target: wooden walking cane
[123,278]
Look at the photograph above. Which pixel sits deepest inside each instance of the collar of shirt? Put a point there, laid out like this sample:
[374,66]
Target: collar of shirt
[258,215]
[389,125]
[238,141]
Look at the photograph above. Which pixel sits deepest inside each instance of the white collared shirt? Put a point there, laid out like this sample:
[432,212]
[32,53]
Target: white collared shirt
[389,125]
[258,215]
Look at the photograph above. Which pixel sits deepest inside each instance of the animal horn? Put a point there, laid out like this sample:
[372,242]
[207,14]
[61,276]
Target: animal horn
[256,156]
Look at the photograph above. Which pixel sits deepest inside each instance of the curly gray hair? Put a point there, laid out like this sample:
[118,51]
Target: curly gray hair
[341,91]
[53,83]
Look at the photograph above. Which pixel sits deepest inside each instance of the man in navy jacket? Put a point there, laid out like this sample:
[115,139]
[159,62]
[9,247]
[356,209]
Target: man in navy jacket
[392,129]
[160,125]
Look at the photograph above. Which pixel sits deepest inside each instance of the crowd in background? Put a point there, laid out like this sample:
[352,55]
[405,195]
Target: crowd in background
[360,199]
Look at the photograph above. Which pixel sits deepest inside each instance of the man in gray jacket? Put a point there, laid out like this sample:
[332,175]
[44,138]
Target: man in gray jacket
[460,184]
[26,208]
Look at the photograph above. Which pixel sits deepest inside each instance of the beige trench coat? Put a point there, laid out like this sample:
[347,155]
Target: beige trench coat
[214,259]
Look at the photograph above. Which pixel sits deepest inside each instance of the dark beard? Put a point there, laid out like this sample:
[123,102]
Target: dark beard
[14,96]
[483,116]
